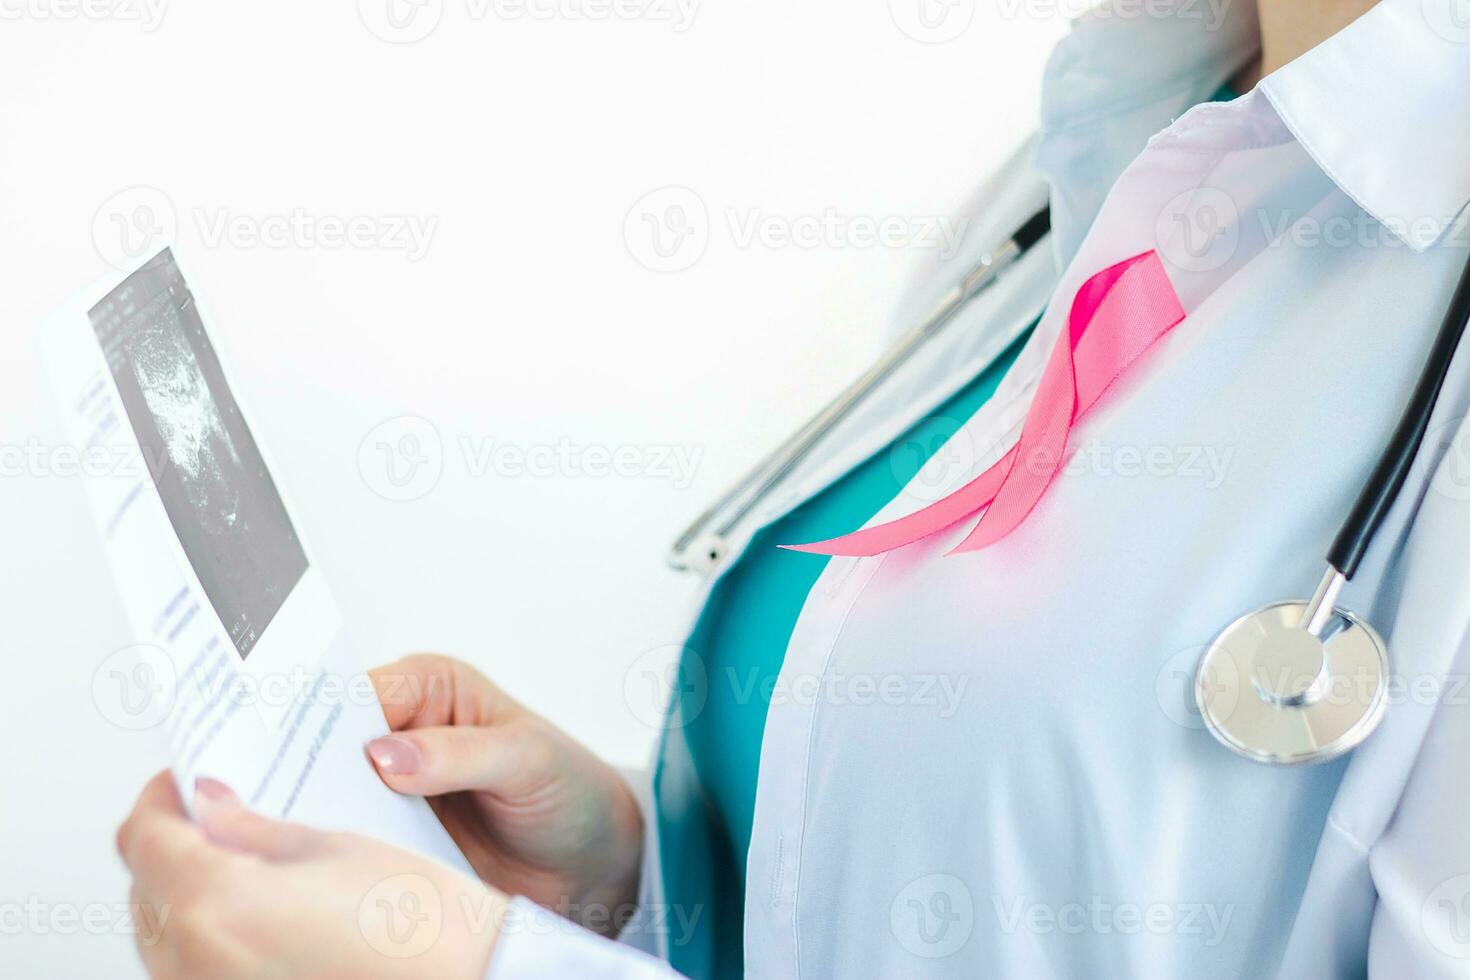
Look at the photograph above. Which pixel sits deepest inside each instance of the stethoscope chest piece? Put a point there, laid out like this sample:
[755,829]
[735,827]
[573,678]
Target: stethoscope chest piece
[1288,686]
[1301,682]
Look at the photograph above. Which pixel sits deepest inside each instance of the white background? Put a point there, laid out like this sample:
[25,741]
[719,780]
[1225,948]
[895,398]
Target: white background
[526,144]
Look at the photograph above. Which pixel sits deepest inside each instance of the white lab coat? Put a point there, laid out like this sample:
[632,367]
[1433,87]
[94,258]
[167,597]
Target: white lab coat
[1066,814]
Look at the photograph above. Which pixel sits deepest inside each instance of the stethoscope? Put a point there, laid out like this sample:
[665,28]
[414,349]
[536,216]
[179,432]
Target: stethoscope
[1292,683]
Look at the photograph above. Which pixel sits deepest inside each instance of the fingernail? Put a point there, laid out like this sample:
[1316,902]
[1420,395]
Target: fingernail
[210,795]
[395,756]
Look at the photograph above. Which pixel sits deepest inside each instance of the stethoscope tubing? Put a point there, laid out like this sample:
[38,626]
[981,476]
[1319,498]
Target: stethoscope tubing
[1388,475]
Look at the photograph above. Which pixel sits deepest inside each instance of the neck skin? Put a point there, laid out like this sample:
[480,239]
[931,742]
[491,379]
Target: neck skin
[1292,27]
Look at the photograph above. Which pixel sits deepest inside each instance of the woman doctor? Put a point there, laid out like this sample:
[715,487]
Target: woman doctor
[986,763]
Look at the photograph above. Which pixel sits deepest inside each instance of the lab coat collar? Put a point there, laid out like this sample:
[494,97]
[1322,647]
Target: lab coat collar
[1381,105]
[1125,72]
[1155,57]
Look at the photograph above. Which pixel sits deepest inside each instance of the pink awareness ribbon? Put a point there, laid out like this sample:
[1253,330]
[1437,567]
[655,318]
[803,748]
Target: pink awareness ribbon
[1117,315]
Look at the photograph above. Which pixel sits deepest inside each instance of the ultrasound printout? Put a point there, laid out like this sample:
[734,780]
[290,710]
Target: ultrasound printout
[219,497]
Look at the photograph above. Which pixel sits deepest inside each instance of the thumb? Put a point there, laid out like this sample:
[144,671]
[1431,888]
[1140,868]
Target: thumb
[434,761]
[226,821]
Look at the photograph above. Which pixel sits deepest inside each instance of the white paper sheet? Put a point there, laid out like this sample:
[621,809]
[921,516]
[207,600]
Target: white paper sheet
[234,656]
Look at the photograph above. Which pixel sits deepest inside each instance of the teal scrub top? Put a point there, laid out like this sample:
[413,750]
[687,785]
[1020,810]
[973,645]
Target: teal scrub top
[709,761]
[740,639]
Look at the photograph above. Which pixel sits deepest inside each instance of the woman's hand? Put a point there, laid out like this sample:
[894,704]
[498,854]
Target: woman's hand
[535,812]
[239,895]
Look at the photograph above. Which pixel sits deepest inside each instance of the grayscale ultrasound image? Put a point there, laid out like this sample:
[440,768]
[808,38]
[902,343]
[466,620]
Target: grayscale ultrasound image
[219,496]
